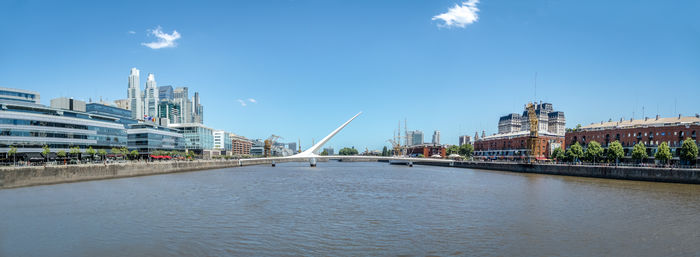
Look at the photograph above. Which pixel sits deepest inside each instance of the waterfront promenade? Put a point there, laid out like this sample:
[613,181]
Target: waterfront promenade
[22,176]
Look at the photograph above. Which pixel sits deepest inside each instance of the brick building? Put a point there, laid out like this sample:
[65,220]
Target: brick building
[513,146]
[650,131]
[240,145]
[427,150]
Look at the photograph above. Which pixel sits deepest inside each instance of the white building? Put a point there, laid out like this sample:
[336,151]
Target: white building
[150,97]
[134,95]
[436,137]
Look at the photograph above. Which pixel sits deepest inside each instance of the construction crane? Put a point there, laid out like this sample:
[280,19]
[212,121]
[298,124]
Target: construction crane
[532,141]
[269,142]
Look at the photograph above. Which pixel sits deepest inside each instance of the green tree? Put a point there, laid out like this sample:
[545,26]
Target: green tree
[348,151]
[103,153]
[116,151]
[74,151]
[466,150]
[134,154]
[615,151]
[124,150]
[594,151]
[421,156]
[45,151]
[453,149]
[62,154]
[639,152]
[13,152]
[575,152]
[385,151]
[663,153]
[90,152]
[689,151]
[558,154]
[325,152]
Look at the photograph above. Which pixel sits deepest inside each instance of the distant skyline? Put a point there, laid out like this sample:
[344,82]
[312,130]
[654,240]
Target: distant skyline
[299,69]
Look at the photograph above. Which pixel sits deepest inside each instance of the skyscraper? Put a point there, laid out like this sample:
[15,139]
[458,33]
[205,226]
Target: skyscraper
[134,94]
[436,137]
[181,98]
[198,115]
[165,93]
[150,97]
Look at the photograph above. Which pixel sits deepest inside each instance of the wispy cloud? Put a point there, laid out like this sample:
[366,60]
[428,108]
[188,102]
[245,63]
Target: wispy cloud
[131,32]
[459,15]
[252,100]
[164,39]
[242,102]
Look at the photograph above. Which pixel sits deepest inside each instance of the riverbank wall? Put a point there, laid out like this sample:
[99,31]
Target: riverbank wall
[655,174]
[12,177]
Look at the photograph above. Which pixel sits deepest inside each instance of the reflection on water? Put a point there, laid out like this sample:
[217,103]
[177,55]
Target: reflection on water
[351,209]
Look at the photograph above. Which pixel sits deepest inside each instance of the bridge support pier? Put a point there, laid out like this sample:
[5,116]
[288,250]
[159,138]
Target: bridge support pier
[410,164]
[312,162]
[273,163]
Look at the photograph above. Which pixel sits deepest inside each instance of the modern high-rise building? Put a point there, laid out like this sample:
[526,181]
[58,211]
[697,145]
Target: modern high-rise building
[222,141]
[181,98]
[292,146]
[198,115]
[416,137]
[436,137]
[150,97]
[134,94]
[165,92]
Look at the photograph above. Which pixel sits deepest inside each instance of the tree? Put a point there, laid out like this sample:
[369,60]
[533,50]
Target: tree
[466,150]
[91,152]
[325,152]
[453,149]
[558,154]
[124,150]
[116,151]
[615,151]
[74,151]
[134,154]
[62,154]
[385,151]
[13,152]
[45,151]
[639,152]
[575,152]
[689,151]
[663,153]
[593,151]
[348,151]
[102,152]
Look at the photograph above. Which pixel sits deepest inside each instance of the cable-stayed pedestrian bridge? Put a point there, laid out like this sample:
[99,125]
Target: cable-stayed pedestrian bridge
[312,157]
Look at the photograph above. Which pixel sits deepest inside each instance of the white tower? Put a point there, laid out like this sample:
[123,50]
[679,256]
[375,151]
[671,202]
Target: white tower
[436,137]
[134,94]
[150,97]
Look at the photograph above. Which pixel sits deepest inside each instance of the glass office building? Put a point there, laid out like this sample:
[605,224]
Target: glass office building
[147,138]
[123,115]
[19,95]
[198,138]
[30,126]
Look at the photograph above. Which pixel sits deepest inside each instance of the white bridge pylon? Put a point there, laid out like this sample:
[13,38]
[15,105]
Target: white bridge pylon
[313,151]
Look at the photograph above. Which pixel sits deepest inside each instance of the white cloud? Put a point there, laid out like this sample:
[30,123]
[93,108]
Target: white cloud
[242,102]
[459,15]
[164,39]
[131,32]
[252,100]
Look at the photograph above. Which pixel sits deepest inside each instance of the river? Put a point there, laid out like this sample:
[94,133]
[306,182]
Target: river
[351,209]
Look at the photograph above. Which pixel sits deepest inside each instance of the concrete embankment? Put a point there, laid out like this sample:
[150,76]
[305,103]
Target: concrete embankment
[11,177]
[674,175]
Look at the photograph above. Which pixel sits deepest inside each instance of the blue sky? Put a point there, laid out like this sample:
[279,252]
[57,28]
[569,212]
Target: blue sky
[311,65]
